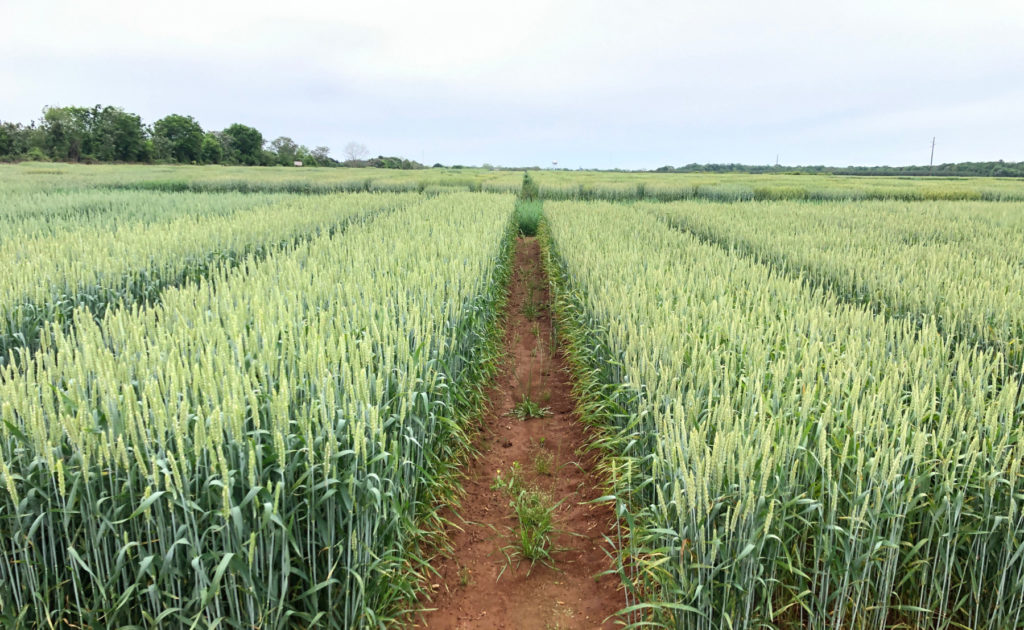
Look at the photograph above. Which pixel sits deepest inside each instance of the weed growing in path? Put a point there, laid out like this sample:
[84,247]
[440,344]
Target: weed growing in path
[542,462]
[526,409]
[513,483]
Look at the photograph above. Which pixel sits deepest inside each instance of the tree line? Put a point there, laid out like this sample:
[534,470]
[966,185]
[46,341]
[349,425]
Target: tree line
[110,134]
[957,169]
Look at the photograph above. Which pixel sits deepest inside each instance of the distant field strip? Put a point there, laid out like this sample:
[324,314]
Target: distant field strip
[960,264]
[49,276]
[259,448]
[566,188]
[783,457]
[553,184]
[40,213]
[33,178]
[362,184]
[732,187]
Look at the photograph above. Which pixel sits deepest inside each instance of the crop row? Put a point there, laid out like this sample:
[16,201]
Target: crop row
[959,264]
[260,448]
[42,213]
[782,457]
[50,275]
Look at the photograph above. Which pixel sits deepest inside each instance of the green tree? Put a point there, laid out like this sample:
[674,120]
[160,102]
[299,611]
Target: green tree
[178,137]
[244,143]
[14,140]
[321,154]
[103,133]
[394,162]
[6,141]
[115,135]
[286,150]
[65,132]
[212,149]
[304,155]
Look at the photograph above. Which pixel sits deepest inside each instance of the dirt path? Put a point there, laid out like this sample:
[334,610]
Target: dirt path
[470,593]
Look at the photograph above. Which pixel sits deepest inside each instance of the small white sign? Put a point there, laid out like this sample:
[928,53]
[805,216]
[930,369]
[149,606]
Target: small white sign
[298,162]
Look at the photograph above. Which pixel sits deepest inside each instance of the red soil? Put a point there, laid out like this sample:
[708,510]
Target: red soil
[468,592]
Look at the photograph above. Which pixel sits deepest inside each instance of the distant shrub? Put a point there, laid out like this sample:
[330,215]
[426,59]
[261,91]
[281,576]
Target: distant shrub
[529,191]
[35,154]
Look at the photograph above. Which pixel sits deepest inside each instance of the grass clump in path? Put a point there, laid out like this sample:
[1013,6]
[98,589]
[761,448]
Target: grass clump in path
[535,512]
[526,409]
[535,519]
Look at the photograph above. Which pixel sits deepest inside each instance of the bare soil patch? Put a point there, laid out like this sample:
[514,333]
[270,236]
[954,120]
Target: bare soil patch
[479,587]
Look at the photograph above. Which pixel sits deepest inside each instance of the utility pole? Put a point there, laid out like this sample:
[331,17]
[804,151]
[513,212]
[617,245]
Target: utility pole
[931,161]
[776,160]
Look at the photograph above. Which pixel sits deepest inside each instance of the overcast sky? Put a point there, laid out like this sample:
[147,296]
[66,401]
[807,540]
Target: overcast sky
[592,84]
